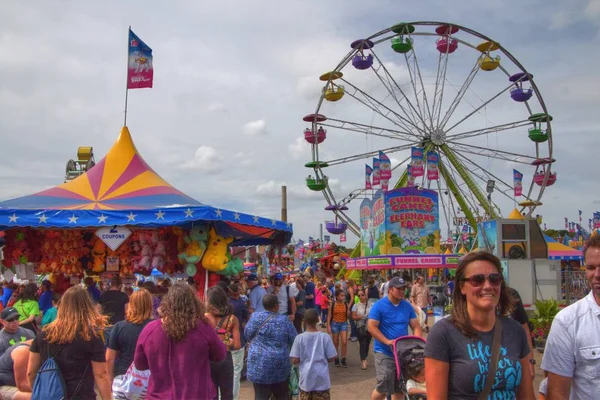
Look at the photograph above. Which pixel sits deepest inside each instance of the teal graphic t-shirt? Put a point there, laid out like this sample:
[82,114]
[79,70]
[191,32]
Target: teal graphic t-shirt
[10,339]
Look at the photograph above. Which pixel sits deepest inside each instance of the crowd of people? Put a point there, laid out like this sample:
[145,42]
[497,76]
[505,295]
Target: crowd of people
[162,342]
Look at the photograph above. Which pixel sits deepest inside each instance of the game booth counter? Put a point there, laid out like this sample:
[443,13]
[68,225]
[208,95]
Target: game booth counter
[121,217]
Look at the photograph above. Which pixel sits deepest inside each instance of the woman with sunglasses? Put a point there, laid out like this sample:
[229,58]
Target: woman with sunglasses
[360,315]
[459,348]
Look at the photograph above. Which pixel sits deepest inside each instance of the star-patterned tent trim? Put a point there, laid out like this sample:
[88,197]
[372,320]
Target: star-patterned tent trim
[122,189]
[558,251]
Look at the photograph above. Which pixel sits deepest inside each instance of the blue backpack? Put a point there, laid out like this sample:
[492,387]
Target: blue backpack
[49,383]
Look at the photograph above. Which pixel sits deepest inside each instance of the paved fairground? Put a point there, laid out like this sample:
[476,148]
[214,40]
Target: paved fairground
[353,383]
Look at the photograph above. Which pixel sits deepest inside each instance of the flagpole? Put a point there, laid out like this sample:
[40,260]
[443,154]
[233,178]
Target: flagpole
[127,80]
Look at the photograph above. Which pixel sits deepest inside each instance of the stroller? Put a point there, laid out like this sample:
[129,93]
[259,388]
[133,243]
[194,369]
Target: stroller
[407,349]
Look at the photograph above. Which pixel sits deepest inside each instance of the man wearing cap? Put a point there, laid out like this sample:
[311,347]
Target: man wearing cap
[12,333]
[389,319]
[287,302]
[45,300]
[257,292]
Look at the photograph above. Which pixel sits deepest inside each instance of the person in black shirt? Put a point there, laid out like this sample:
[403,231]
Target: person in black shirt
[73,339]
[520,315]
[124,335]
[13,372]
[113,301]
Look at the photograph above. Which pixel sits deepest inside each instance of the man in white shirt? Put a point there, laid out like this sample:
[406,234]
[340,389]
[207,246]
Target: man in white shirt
[572,353]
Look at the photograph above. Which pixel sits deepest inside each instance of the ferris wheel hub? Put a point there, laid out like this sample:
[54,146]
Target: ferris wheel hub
[438,137]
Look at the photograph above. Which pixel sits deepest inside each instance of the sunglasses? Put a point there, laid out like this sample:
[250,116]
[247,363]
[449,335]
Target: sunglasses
[477,280]
[13,319]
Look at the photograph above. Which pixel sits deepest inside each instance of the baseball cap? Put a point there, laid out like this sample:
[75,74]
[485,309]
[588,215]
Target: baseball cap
[9,312]
[252,277]
[278,276]
[397,282]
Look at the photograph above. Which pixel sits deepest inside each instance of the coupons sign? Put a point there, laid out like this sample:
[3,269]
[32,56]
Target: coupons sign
[113,237]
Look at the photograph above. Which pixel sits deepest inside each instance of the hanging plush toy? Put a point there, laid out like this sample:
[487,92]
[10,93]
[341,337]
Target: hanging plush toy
[99,256]
[195,249]
[215,257]
[234,267]
[145,263]
[160,252]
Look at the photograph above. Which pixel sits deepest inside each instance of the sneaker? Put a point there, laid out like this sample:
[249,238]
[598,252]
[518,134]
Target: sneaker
[353,339]
[337,362]
[344,363]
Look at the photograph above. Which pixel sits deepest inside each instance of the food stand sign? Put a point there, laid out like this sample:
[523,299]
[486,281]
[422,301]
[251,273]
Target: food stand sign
[113,237]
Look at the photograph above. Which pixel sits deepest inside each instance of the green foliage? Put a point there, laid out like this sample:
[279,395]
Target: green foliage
[545,312]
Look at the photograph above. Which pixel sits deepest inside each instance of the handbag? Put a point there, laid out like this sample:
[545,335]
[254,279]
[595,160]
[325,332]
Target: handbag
[496,342]
[362,330]
[133,385]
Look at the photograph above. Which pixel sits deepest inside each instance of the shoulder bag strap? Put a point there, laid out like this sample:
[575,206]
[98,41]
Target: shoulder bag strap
[260,327]
[80,381]
[220,323]
[489,382]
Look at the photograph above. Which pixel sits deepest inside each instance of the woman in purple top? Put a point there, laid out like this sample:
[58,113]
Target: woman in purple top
[178,348]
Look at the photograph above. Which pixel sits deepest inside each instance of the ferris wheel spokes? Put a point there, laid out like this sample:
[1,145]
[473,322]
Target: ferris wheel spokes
[487,130]
[369,130]
[461,93]
[413,76]
[392,82]
[369,154]
[484,104]
[373,106]
[494,153]
[440,84]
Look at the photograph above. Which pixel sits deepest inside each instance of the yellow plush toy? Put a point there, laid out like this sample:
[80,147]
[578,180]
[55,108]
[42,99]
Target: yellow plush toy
[215,257]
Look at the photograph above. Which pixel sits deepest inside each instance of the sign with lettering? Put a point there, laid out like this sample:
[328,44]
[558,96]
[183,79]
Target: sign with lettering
[404,261]
[114,236]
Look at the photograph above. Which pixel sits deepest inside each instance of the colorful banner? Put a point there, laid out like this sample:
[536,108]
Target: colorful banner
[404,261]
[566,223]
[385,166]
[343,238]
[433,161]
[378,224]
[366,236]
[140,69]
[368,172]
[517,183]
[596,221]
[412,221]
[376,170]
[580,212]
[411,179]
[416,161]
[487,236]
[385,185]
[327,238]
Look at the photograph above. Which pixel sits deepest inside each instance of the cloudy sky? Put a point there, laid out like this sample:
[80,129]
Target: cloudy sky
[233,80]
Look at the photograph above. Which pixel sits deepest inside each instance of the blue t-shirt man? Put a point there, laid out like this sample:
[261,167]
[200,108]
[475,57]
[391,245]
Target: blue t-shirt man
[45,300]
[394,320]
[310,291]
[255,298]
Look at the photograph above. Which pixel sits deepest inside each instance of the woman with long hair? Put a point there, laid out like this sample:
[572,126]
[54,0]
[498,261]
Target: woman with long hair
[74,340]
[460,348]
[28,307]
[220,316]
[124,335]
[337,325]
[360,315]
[178,348]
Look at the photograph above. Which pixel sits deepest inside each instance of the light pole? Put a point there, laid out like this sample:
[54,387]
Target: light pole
[490,189]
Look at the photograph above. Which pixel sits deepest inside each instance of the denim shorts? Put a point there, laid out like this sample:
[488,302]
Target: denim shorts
[337,327]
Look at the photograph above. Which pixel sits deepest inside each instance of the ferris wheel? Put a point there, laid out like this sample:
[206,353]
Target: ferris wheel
[452,93]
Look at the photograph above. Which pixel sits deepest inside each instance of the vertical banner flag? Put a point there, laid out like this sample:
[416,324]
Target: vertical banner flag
[433,160]
[416,161]
[596,222]
[368,172]
[517,182]
[590,224]
[376,177]
[411,179]
[385,170]
[580,212]
[566,223]
[140,70]
[343,238]
[545,227]
[327,238]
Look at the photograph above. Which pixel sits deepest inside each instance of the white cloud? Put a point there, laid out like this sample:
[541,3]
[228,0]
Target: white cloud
[255,128]
[206,159]
[218,108]
[299,149]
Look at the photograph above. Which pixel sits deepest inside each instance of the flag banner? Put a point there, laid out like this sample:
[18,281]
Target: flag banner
[416,161]
[376,177]
[580,212]
[566,223]
[140,70]
[385,166]
[433,160]
[310,240]
[384,185]
[596,222]
[327,238]
[590,224]
[517,182]
[343,238]
[368,172]
[411,179]
[545,227]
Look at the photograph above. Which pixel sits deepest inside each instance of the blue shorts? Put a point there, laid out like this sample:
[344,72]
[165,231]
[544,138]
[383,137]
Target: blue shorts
[337,327]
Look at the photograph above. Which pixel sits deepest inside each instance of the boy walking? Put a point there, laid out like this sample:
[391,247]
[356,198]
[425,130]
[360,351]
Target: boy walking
[313,351]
